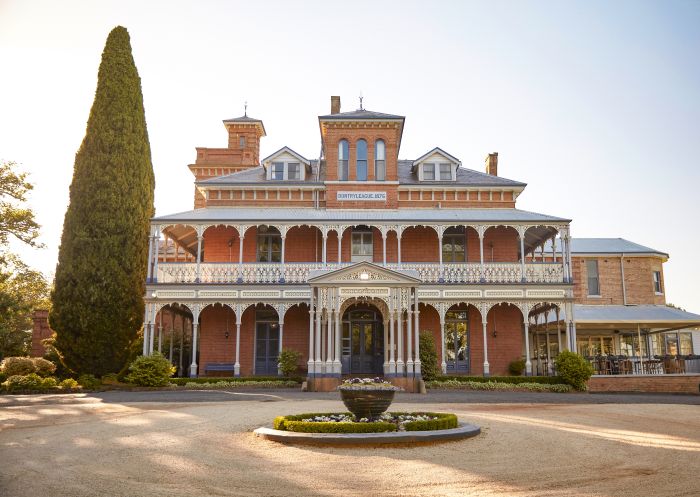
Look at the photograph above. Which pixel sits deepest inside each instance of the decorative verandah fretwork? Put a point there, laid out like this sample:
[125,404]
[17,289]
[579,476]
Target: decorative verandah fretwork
[532,235]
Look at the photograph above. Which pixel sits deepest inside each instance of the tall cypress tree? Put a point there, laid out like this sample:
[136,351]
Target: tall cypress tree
[100,277]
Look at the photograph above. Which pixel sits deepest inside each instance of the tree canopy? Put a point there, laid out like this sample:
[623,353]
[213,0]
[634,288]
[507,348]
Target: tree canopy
[100,277]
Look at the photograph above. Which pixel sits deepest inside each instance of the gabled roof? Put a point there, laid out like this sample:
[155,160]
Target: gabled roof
[465,177]
[245,119]
[257,176]
[439,151]
[582,246]
[288,150]
[362,114]
[352,275]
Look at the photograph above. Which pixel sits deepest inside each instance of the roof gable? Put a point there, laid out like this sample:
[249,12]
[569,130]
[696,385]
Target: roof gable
[289,151]
[437,150]
[364,274]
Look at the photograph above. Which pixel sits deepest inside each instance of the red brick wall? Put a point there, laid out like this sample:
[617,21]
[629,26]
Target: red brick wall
[419,244]
[639,282]
[215,347]
[40,331]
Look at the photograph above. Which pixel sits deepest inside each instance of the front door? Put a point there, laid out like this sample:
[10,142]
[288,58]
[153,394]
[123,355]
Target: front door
[457,341]
[267,335]
[363,338]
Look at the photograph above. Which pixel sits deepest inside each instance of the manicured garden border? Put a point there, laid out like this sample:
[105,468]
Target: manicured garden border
[548,380]
[234,379]
[294,423]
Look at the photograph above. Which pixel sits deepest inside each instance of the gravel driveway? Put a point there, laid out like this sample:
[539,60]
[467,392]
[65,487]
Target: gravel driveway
[199,443]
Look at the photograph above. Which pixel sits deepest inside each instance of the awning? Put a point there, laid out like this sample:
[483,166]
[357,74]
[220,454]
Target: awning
[630,317]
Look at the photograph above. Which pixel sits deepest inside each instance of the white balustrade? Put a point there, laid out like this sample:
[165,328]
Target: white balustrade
[298,272]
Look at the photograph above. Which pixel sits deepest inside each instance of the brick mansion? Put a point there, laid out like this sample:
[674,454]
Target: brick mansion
[347,257]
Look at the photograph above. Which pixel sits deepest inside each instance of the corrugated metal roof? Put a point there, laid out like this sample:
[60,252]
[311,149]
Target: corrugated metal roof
[243,214]
[634,314]
[583,246]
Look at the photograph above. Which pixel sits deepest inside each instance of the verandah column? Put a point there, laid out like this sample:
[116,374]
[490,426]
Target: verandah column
[149,268]
[526,330]
[484,321]
[481,231]
[399,234]
[521,235]
[416,334]
[443,363]
[195,327]
[409,336]
[200,237]
[311,370]
[392,362]
[156,249]
[400,365]
[239,319]
[280,321]
[337,366]
[318,366]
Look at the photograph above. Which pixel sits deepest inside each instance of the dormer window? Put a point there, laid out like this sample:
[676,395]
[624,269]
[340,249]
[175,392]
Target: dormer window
[429,172]
[278,170]
[293,171]
[286,165]
[445,172]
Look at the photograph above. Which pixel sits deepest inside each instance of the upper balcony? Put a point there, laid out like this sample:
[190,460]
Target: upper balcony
[282,246]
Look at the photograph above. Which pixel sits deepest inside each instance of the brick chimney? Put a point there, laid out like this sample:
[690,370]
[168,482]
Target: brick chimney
[492,164]
[335,105]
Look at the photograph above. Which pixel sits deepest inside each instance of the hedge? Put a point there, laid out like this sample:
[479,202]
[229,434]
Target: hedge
[548,380]
[445,421]
[497,385]
[233,379]
[295,423]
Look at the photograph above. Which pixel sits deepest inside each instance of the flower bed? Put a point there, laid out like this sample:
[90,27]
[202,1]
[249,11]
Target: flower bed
[346,422]
[241,384]
[453,384]
[355,384]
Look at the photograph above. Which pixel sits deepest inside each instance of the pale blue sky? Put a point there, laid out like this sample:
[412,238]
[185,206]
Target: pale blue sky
[595,105]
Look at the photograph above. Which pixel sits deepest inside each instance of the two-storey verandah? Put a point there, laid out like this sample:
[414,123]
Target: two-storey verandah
[444,291]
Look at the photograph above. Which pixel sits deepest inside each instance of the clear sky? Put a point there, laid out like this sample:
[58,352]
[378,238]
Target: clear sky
[596,105]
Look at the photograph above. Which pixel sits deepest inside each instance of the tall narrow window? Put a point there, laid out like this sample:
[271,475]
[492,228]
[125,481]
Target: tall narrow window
[361,161]
[241,142]
[269,245]
[657,282]
[593,281]
[429,172]
[343,160]
[453,245]
[379,160]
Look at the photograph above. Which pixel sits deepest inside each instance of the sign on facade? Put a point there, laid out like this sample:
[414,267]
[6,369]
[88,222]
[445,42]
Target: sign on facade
[362,196]
[363,292]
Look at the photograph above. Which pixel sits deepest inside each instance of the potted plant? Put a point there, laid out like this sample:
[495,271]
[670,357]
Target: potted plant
[367,397]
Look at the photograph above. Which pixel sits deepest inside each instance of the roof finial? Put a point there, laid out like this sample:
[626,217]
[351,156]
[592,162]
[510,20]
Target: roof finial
[245,109]
[361,97]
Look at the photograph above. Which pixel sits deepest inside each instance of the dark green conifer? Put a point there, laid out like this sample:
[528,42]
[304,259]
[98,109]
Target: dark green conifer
[100,277]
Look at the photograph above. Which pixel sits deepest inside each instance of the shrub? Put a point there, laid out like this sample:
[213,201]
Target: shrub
[48,383]
[445,421]
[238,384]
[235,379]
[516,367]
[288,361]
[3,377]
[17,366]
[428,356]
[43,367]
[110,379]
[150,371]
[573,369]
[548,380]
[89,382]
[32,381]
[295,423]
[454,384]
[69,384]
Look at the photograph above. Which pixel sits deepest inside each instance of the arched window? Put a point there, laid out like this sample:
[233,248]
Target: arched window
[343,160]
[379,160]
[361,161]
